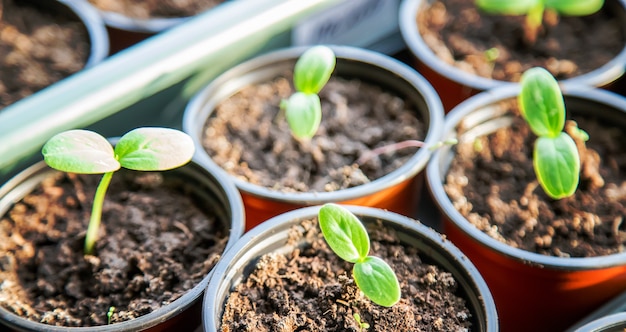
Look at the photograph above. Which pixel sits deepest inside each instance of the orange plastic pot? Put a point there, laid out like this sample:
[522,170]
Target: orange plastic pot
[456,85]
[397,191]
[533,292]
[125,31]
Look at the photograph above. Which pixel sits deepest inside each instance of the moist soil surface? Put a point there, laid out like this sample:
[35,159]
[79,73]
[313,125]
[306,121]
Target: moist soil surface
[311,289]
[491,181]
[248,136]
[146,9]
[154,245]
[459,34]
[38,47]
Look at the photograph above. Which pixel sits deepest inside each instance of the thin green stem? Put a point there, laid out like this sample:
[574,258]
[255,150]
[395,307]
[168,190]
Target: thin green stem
[96,213]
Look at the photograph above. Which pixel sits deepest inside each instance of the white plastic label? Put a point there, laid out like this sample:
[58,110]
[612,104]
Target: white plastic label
[351,22]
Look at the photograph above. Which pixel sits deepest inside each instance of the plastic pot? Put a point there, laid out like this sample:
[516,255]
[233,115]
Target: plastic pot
[456,85]
[610,314]
[93,23]
[126,31]
[185,312]
[273,235]
[611,323]
[62,11]
[533,292]
[397,191]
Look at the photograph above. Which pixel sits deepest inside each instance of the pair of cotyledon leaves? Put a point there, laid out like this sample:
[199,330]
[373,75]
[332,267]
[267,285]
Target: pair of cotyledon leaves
[303,109]
[143,149]
[348,238]
[555,155]
[522,7]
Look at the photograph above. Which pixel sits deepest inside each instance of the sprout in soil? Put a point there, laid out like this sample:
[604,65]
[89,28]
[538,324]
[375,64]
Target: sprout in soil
[534,9]
[348,238]
[303,109]
[141,149]
[362,324]
[555,156]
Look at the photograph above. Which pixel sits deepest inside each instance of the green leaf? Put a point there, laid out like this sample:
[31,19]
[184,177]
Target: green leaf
[80,151]
[557,165]
[304,114]
[344,232]
[507,7]
[541,102]
[377,281]
[154,149]
[575,7]
[313,69]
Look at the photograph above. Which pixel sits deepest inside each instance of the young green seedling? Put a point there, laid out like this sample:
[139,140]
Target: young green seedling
[555,156]
[348,238]
[534,9]
[142,149]
[110,314]
[303,109]
[362,324]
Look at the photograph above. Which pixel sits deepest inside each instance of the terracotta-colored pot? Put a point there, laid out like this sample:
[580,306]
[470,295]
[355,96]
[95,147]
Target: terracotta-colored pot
[274,235]
[456,85]
[533,292]
[397,191]
[125,31]
[184,313]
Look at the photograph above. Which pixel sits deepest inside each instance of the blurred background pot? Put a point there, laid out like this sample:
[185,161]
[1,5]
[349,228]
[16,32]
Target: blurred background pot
[65,37]
[533,292]
[275,234]
[397,191]
[129,22]
[455,85]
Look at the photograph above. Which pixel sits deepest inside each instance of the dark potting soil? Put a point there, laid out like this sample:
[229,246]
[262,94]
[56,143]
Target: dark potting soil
[311,289]
[146,9]
[37,48]
[491,181]
[249,137]
[459,34]
[154,245]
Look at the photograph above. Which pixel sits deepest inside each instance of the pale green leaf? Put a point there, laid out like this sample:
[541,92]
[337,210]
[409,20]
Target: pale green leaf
[541,102]
[377,281]
[154,149]
[575,7]
[313,69]
[557,165]
[507,7]
[344,232]
[304,114]
[80,151]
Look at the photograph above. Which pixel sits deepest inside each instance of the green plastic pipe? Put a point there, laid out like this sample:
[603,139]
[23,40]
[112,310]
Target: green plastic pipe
[208,43]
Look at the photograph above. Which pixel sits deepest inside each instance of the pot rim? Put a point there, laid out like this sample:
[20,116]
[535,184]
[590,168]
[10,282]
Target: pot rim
[98,35]
[607,323]
[369,58]
[151,25]
[39,170]
[435,180]
[409,30]
[273,230]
